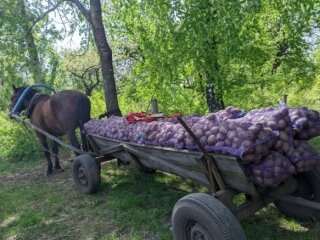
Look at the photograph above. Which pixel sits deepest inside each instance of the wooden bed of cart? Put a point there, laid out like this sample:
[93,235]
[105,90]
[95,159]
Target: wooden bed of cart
[199,215]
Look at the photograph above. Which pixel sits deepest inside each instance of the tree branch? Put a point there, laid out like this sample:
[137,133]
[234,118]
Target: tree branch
[43,15]
[85,12]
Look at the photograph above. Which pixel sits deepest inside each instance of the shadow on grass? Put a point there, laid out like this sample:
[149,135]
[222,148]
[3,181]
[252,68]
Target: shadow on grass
[129,205]
[268,223]
[137,198]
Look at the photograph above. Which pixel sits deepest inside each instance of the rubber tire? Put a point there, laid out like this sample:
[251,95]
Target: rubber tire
[91,171]
[308,188]
[199,209]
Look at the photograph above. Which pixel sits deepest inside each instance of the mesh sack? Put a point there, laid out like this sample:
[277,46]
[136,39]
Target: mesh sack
[305,122]
[304,156]
[273,169]
[242,139]
[278,120]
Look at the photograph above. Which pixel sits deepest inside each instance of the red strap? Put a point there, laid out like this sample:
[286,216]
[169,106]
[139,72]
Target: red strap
[136,117]
[142,116]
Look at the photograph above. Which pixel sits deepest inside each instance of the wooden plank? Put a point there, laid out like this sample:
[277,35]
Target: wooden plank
[93,144]
[231,170]
[190,161]
[111,150]
[233,174]
[209,161]
[167,166]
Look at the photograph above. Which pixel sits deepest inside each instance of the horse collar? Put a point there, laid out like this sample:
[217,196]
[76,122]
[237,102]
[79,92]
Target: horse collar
[33,102]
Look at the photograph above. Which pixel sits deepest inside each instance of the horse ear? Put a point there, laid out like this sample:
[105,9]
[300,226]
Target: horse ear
[14,87]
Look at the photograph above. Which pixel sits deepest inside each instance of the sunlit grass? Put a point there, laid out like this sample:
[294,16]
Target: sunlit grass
[129,205]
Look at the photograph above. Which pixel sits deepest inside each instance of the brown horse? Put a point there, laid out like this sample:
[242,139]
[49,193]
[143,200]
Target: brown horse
[59,114]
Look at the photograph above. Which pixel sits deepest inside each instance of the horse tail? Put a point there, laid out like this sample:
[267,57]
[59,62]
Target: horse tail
[83,117]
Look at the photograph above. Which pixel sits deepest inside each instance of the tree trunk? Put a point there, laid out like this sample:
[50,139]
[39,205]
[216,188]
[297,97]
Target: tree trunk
[94,17]
[34,62]
[105,53]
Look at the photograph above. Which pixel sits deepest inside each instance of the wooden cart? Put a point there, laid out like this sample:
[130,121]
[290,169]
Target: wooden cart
[199,215]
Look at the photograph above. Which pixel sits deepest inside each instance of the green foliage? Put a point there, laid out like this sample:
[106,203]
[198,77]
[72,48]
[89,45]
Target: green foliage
[253,53]
[21,46]
[17,144]
[80,72]
[98,104]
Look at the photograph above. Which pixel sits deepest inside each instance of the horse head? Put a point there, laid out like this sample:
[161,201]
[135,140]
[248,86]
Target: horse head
[17,92]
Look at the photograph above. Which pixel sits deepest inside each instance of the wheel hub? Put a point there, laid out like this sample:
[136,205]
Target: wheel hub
[82,176]
[198,232]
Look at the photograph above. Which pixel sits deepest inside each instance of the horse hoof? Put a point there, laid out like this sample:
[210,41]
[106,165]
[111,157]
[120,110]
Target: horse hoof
[60,170]
[48,173]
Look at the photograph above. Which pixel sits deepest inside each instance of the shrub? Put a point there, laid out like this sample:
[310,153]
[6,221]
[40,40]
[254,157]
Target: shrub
[17,144]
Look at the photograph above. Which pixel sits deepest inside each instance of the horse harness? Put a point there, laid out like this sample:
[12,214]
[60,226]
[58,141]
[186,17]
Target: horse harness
[33,103]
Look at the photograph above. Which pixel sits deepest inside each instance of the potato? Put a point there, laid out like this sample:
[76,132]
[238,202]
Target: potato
[236,145]
[259,150]
[189,141]
[245,125]
[249,158]
[231,135]
[255,128]
[282,124]
[313,115]
[211,140]
[232,125]
[285,147]
[284,136]
[203,140]
[215,130]
[257,172]
[247,143]
[269,181]
[228,142]
[220,136]
[220,144]
[223,130]
[259,181]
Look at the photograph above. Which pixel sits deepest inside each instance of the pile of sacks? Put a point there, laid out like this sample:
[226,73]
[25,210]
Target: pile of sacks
[271,142]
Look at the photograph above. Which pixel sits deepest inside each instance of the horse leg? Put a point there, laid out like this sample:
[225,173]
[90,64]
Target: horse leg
[55,150]
[43,142]
[71,135]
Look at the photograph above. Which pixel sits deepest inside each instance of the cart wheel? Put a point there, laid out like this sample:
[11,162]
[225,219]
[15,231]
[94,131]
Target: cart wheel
[86,174]
[308,188]
[199,216]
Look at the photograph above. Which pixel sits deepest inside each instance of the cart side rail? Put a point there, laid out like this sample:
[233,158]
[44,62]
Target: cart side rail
[187,164]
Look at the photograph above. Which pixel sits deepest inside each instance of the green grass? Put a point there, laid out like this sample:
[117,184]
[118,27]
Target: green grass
[316,143]
[130,205]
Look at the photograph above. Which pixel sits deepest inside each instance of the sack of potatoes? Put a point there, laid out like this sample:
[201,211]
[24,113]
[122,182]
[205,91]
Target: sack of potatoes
[304,157]
[273,169]
[305,122]
[268,141]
